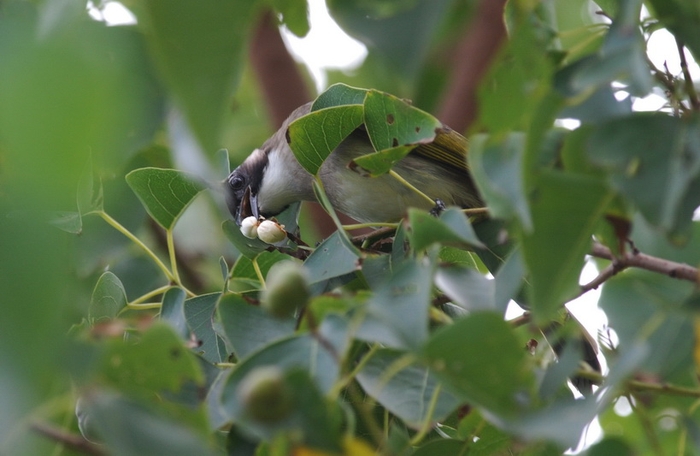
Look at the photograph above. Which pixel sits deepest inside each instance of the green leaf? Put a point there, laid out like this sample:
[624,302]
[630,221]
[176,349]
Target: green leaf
[401,32]
[173,311]
[681,18]
[90,195]
[200,312]
[497,168]
[128,427]
[249,248]
[489,369]
[466,287]
[156,362]
[165,193]
[378,163]
[642,306]
[198,48]
[295,15]
[70,222]
[392,122]
[332,258]
[250,328]
[401,304]
[652,151]
[408,393]
[565,211]
[452,228]
[518,80]
[314,136]
[339,95]
[108,298]
[443,447]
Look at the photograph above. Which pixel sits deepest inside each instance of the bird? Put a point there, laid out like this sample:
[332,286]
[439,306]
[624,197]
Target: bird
[271,178]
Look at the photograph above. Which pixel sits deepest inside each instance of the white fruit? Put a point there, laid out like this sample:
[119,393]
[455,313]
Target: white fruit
[249,227]
[271,232]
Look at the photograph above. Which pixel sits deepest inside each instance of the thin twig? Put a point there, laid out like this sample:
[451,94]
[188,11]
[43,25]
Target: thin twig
[371,237]
[636,259]
[73,441]
[640,386]
[689,87]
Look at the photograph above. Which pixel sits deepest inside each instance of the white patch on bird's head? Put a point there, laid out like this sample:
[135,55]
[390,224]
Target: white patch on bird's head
[284,182]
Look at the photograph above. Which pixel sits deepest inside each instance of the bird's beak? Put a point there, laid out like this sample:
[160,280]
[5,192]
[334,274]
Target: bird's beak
[247,207]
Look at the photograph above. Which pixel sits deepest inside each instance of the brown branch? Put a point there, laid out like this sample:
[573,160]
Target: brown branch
[282,84]
[72,441]
[689,87]
[473,57]
[639,260]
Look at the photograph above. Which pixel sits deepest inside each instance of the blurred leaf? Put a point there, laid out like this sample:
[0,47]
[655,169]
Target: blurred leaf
[295,15]
[200,312]
[621,58]
[642,306]
[129,428]
[332,258]
[681,17]
[108,298]
[509,280]
[401,304]
[250,328]
[610,445]
[497,169]
[400,31]
[165,193]
[443,447]
[565,211]
[652,150]
[339,95]
[90,194]
[70,222]
[154,363]
[407,393]
[243,268]
[516,81]
[198,49]
[392,122]
[452,228]
[489,369]
[467,288]
[313,137]
[173,311]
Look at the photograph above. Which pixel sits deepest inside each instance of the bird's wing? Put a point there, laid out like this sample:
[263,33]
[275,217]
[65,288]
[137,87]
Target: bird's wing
[449,148]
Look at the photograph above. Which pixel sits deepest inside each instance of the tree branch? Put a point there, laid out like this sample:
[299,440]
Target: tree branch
[636,259]
[473,57]
[689,87]
[73,441]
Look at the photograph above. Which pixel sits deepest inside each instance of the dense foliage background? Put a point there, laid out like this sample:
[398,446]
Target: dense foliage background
[130,319]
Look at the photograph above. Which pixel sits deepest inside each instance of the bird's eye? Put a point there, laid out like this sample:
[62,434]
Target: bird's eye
[236,182]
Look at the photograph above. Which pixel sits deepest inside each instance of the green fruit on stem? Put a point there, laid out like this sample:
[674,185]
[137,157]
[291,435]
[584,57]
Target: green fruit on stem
[265,395]
[286,290]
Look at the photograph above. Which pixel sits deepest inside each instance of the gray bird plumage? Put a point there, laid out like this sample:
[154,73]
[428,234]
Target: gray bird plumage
[272,179]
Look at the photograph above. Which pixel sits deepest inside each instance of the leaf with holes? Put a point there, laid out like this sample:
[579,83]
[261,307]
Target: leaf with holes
[392,122]
[314,136]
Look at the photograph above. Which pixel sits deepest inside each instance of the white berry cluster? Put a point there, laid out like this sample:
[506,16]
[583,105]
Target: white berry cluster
[268,231]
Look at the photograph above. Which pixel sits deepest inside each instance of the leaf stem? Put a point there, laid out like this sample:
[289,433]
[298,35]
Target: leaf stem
[359,226]
[689,86]
[144,306]
[427,424]
[258,272]
[411,186]
[119,227]
[151,294]
[171,253]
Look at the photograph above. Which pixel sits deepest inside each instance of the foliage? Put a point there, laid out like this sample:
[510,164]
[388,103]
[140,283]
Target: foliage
[136,324]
